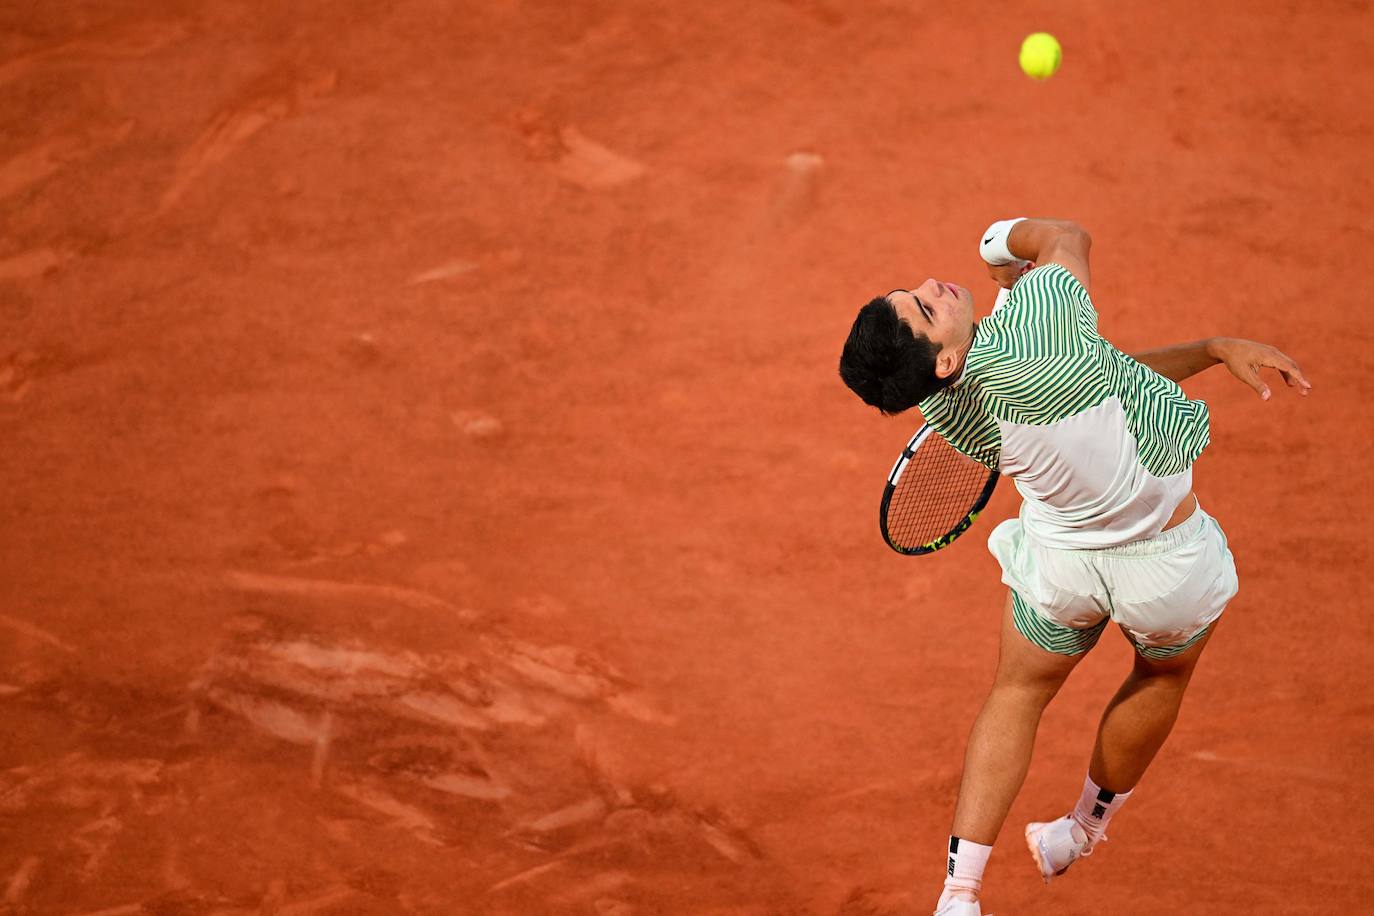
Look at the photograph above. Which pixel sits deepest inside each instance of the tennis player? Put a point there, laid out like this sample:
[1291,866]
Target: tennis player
[1101,446]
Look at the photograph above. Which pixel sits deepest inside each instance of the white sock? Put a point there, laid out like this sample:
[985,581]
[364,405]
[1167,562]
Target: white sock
[964,872]
[1095,807]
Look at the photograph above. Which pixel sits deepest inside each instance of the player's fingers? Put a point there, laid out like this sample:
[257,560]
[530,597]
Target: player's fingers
[1296,378]
[1250,376]
[1292,375]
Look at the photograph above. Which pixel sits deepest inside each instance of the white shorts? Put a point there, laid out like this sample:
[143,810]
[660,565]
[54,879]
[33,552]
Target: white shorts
[1163,591]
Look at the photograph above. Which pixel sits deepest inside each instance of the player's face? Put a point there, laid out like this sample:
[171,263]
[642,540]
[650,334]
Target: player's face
[942,312]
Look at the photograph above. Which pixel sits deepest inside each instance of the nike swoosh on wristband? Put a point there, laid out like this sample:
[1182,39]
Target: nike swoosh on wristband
[989,239]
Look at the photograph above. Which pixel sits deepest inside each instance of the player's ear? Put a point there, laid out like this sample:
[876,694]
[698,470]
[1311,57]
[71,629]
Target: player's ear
[946,362]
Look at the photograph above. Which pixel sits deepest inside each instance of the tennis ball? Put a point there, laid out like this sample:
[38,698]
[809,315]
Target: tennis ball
[1040,55]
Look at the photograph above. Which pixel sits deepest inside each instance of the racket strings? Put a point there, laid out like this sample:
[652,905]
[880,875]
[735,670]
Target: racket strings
[935,492]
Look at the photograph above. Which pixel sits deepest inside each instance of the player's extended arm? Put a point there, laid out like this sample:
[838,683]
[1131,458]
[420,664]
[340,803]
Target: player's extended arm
[1010,246]
[1244,358]
[1053,241]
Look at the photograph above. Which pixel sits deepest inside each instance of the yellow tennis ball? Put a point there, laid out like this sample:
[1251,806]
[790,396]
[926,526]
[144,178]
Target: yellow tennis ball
[1040,55]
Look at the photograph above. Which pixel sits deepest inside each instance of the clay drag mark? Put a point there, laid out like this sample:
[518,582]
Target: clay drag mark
[572,156]
[32,263]
[273,97]
[508,752]
[39,162]
[20,369]
[110,43]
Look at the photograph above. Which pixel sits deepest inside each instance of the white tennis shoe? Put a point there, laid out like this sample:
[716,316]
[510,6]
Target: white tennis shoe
[959,906]
[1056,845]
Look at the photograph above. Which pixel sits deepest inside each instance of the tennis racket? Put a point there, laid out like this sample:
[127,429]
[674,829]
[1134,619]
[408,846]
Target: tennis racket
[932,495]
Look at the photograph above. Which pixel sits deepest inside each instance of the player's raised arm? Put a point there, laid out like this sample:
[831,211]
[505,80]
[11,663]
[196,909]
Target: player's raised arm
[1244,359]
[1040,241]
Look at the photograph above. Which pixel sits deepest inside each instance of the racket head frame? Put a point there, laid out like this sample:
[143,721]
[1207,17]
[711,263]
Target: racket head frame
[895,475]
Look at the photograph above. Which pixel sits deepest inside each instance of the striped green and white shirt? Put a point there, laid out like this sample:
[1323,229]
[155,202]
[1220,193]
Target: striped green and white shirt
[1100,446]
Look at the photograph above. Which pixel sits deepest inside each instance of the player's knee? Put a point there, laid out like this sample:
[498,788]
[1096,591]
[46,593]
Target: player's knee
[1029,687]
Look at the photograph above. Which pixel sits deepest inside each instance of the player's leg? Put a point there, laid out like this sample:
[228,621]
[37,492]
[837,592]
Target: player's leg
[1133,728]
[1003,735]
[1162,589]
[1174,584]
[1035,658]
[1141,715]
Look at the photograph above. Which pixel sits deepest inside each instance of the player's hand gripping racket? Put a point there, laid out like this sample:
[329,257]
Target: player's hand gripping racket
[932,495]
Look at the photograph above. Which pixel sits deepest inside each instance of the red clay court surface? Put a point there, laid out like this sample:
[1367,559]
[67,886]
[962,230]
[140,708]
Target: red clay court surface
[428,488]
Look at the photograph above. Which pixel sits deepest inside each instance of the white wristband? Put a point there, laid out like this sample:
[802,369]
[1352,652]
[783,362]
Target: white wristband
[994,246]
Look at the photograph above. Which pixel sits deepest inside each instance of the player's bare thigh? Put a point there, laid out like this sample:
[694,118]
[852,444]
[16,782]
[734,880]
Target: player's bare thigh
[1023,664]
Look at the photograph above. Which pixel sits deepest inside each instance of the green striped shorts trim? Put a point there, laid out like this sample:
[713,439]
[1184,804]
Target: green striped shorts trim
[1053,636]
[1168,651]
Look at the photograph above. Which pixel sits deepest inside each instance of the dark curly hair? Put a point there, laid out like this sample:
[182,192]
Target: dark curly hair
[886,363]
